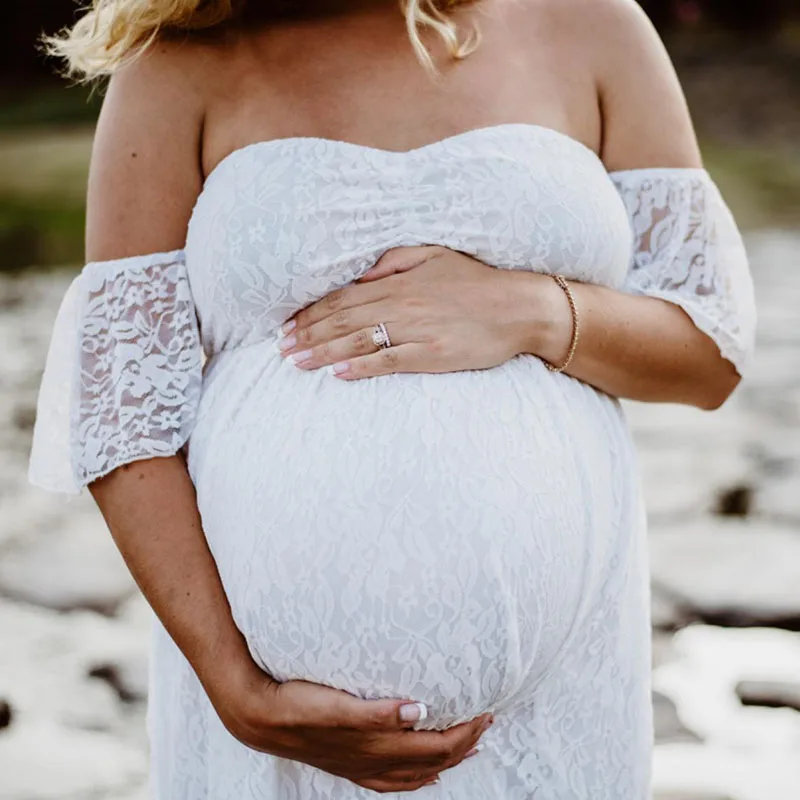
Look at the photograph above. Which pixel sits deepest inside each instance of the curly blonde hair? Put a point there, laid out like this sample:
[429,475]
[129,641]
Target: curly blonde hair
[114,32]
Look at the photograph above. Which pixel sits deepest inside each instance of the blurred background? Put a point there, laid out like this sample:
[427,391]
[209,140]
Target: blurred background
[723,489]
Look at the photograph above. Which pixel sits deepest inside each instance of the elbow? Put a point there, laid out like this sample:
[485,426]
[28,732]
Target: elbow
[717,386]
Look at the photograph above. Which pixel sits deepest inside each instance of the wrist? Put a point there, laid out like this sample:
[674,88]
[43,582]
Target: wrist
[539,315]
[230,680]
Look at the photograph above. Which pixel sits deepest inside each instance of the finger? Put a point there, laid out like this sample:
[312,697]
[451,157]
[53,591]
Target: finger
[402,747]
[337,300]
[475,750]
[384,786]
[342,323]
[383,715]
[398,358]
[418,774]
[356,344]
[458,741]
[436,749]
[400,259]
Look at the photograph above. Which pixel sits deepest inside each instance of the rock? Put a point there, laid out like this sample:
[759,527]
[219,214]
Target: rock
[45,762]
[665,425]
[71,738]
[774,370]
[76,565]
[24,418]
[111,675]
[769,694]
[670,492]
[779,499]
[736,501]
[700,678]
[11,296]
[6,714]
[29,512]
[690,796]
[140,793]
[682,480]
[128,678]
[777,452]
[44,675]
[689,771]
[662,651]
[668,726]
[136,613]
[726,572]
[780,404]
[666,614]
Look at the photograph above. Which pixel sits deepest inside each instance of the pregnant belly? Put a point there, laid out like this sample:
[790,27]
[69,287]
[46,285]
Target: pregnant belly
[427,536]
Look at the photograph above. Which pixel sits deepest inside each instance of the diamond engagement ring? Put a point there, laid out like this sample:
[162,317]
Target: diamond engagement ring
[380,336]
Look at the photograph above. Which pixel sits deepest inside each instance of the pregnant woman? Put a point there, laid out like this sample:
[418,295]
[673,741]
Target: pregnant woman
[342,373]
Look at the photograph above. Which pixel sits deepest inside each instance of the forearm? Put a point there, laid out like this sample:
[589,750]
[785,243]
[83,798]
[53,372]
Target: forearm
[634,347]
[152,514]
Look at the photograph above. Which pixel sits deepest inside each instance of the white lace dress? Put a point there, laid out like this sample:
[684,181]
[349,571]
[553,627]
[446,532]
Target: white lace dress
[472,540]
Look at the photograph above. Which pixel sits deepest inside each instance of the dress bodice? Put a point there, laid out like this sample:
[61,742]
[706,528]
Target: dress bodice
[470,539]
[282,223]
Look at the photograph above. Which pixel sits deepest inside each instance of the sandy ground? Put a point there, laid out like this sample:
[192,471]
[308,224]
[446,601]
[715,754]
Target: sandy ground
[724,498]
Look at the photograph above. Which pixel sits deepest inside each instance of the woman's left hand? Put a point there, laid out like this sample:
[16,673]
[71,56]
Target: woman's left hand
[443,311]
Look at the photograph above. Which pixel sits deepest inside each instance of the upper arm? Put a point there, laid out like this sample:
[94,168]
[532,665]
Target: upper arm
[646,121]
[145,174]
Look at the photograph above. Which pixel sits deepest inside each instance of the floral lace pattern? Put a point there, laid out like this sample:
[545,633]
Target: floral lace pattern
[688,250]
[129,358]
[473,540]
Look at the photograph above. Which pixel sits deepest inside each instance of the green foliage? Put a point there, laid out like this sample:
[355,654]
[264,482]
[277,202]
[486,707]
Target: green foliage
[42,233]
[53,104]
[42,186]
[761,185]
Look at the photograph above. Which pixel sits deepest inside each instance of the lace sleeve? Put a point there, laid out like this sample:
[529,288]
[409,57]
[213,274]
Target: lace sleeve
[688,250]
[123,373]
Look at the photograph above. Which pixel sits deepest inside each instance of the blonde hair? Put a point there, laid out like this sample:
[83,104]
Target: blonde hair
[114,32]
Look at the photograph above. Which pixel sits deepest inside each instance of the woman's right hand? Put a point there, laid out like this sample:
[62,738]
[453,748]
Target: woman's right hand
[366,741]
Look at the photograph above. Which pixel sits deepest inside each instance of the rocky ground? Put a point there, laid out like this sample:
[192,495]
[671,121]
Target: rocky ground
[724,498]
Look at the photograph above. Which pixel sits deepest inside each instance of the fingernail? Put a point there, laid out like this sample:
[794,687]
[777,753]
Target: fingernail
[412,712]
[475,750]
[288,327]
[433,782]
[303,355]
[338,369]
[288,342]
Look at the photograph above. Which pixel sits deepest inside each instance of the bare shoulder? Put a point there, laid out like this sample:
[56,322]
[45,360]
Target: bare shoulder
[646,119]
[145,174]
[582,27]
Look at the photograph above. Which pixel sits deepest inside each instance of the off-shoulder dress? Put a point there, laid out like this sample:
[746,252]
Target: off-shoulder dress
[472,540]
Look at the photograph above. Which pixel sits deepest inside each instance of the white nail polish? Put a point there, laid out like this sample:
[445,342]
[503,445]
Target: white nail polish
[413,712]
[299,358]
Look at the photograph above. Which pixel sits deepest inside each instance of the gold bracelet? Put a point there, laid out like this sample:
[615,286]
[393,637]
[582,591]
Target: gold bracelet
[576,325]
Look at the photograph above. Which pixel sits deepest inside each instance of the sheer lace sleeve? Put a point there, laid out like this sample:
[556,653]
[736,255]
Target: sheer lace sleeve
[688,250]
[123,374]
